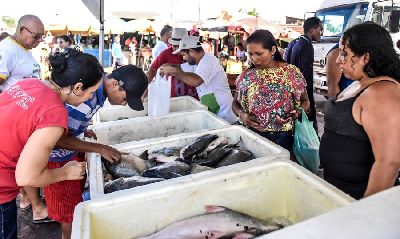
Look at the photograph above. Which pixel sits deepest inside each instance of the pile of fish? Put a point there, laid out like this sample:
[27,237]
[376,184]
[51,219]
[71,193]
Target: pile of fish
[206,152]
[220,222]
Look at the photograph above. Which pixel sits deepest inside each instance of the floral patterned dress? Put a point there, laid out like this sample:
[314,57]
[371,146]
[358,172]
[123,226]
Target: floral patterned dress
[267,93]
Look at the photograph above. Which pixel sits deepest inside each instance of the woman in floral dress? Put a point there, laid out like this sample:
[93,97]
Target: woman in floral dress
[270,94]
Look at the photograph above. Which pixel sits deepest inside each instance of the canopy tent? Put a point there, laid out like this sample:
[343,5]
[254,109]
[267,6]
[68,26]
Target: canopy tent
[139,25]
[112,25]
[252,23]
[59,24]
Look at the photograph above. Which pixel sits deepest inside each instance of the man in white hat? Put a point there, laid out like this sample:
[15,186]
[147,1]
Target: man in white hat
[178,87]
[209,77]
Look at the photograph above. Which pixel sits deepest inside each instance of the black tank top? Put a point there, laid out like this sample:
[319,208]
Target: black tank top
[345,150]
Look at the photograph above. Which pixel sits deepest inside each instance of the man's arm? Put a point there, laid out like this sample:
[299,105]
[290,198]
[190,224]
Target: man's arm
[188,78]
[32,168]
[71,142]
[150,74]
[305,102]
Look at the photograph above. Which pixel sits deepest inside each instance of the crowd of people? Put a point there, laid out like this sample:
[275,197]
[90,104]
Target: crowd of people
[43,121]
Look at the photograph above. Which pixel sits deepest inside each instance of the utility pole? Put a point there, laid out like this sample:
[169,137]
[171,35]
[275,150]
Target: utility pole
[199,10]
[170,4]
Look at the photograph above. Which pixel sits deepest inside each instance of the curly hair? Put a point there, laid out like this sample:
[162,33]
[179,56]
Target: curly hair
[72,66]
[376,41]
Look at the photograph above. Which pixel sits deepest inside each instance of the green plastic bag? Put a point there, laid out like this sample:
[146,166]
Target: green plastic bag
[211,102]
[306,144]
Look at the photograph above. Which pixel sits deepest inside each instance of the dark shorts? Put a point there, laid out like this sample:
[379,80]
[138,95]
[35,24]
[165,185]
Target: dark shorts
[284,138]
[8,220]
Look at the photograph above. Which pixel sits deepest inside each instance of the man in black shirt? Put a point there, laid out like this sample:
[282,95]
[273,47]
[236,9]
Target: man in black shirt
[300,53]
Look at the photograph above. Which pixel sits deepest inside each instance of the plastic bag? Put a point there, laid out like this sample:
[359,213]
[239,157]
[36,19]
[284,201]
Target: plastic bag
[159,93]
[306,144]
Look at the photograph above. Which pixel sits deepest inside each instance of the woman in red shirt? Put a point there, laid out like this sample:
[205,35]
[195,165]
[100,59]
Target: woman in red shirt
[32,120]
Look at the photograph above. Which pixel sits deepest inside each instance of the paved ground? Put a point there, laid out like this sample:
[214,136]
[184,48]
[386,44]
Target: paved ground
[28,230]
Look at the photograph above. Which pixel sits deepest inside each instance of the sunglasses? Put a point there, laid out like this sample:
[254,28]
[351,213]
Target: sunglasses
[36,36]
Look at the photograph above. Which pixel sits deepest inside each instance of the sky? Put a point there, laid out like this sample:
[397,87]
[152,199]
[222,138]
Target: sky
[178,10]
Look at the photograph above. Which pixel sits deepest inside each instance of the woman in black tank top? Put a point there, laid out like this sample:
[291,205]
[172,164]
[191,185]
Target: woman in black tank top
[359,148]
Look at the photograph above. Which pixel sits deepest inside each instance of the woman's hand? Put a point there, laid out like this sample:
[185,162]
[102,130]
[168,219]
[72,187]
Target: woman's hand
[249,120]
[289,117]
[74,170]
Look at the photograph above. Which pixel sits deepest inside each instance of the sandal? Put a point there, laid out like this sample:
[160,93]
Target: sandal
[43,220]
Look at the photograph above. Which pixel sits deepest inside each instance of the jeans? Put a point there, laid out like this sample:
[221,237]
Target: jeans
[8,220]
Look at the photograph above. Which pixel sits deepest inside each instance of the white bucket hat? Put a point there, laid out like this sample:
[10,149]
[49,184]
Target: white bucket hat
[189,42]
[177,35]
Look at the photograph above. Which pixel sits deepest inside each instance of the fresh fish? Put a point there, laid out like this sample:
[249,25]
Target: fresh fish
[172,151]
[166,155]
[197,146]
[168,170]
[125,183]
[122,168]
[218,222]
[198,168]
[162,158]
[129,165]
[213,157]
[214,144]
[106,176]
[144,155]
[235,156]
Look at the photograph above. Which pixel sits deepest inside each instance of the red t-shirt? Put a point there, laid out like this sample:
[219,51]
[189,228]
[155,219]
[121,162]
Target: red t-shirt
[178,87]
[25,107]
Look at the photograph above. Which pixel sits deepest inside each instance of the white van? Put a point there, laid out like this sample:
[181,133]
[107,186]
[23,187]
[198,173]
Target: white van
[337,16]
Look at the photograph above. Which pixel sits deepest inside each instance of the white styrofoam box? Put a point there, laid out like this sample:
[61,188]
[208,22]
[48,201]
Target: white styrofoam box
[117,112]
[374,217]
[261,188]
[140,128]
[258,145]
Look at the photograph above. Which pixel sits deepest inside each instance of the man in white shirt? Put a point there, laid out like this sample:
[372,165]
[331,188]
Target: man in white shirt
[162,44]
[16,60]
[241,53]
[208,77]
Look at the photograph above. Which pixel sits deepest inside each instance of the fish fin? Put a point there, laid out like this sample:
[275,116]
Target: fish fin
[214,209]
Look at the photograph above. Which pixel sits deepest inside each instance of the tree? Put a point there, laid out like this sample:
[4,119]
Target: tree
[252,12]
[10,22]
